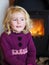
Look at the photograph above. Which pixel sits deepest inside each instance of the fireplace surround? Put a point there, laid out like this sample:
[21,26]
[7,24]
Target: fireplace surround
[41,41]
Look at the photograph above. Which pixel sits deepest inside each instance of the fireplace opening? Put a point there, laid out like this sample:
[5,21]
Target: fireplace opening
[37,27]
[40,22]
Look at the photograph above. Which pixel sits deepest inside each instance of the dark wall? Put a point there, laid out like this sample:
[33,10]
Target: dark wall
[33,5]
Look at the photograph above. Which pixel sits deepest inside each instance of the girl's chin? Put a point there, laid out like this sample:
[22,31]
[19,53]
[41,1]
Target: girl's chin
[17,31]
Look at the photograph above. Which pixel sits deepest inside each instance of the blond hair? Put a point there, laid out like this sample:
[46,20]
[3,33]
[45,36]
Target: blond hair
[7,19]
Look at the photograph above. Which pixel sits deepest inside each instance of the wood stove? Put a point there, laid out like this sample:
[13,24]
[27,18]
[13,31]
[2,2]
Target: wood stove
[40,31]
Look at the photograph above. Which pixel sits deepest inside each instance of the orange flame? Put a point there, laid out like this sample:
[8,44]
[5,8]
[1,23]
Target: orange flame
[38,27]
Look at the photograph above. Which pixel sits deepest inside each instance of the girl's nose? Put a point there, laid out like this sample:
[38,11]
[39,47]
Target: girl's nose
[18,21]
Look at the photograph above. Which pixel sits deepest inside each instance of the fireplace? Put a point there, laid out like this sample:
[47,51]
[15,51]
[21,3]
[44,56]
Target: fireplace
[40,31]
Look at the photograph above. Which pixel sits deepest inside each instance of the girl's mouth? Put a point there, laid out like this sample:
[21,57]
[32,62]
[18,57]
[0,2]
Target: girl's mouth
[18,26]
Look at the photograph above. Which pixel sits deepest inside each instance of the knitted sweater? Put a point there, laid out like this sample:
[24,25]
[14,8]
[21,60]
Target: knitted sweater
[18,49]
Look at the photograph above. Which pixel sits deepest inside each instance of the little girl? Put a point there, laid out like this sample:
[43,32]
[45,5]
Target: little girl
[16,41]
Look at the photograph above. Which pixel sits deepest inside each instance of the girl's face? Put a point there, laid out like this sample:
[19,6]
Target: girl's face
[18,22]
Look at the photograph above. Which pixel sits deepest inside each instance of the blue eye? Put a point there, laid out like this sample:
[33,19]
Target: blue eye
[14,19]
[22,19]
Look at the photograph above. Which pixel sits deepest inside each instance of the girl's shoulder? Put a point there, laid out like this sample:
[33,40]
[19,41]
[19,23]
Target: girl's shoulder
[3,35]
[28,35]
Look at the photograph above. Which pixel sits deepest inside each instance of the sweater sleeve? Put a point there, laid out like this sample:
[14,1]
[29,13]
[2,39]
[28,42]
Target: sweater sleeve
[31,57]
[7,54]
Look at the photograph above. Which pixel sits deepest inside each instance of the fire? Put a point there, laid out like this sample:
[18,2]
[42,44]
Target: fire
[38,27]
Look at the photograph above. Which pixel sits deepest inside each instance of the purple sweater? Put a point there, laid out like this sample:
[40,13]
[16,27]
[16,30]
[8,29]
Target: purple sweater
[18,49]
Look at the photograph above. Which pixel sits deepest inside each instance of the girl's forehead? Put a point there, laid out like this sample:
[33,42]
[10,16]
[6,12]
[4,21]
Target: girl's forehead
[18,14]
